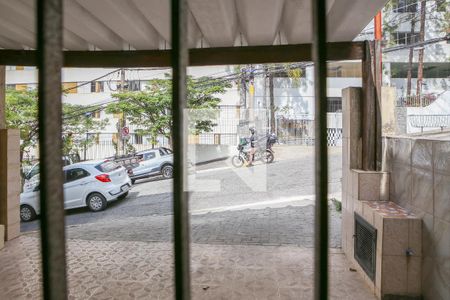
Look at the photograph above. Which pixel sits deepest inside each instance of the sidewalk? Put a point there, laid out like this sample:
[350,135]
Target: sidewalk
[139,270]
[282,152]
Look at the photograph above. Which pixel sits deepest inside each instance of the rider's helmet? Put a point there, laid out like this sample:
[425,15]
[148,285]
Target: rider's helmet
[252,130]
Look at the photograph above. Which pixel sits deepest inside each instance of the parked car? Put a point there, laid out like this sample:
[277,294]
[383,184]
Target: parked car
[31,178]
[153,162]
[90,183]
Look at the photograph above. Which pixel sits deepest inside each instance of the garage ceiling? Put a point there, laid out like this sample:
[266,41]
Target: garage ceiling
[145,24]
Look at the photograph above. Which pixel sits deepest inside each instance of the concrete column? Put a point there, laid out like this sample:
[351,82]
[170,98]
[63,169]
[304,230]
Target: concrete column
[10,181]
[351,159]
[388,120]
[9,172]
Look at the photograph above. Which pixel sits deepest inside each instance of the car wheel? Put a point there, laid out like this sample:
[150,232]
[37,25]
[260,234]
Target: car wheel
[96,202]
[27,213]
[167,171]
[123,196]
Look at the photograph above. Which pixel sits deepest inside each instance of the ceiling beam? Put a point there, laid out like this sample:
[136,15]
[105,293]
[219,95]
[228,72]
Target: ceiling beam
[197,57]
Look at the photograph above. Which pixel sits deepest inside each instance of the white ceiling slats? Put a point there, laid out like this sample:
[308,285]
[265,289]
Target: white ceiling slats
[145,24]
[125,19]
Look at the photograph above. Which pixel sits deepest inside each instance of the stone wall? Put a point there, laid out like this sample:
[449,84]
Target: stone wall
[10,182]
[420,182]
[398,254]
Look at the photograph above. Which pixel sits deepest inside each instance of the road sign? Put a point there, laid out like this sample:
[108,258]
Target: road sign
[125,131]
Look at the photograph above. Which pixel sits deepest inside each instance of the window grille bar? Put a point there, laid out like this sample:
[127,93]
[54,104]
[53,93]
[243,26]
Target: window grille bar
[321,164]
[50,61]
[179,58]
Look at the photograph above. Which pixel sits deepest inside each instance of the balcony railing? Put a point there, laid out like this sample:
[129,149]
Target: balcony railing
[416,101]
[429,121]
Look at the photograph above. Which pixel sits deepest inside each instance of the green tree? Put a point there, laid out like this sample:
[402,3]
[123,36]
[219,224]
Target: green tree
[78,122]
[22,113]
[150,109]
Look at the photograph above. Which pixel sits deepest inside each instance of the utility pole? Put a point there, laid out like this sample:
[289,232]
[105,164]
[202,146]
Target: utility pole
[423,5]
[121,123]
[378,48]
[410,61]
[272,103]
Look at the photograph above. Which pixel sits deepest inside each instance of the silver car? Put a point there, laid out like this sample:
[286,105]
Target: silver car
[90,183]
[154,162]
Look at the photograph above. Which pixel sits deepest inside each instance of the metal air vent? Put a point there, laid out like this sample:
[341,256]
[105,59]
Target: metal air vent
[365,245]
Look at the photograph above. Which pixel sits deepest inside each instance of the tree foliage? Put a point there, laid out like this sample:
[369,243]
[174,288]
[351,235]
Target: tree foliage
[22,113]
[78,121]
[150,109]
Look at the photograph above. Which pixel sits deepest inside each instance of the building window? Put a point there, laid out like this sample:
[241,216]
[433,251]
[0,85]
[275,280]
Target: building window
[405,38]
[20,68]
[97,87]
[21,87]
[69,87]
[118,115]
[97,114]
[138,139]
[405,6]
[217,139]
[344,69]
[334,104]
[134,85]
[193,139]
[115,138]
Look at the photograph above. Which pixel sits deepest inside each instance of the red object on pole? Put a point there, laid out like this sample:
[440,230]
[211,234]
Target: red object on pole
[378,37]
[377,25]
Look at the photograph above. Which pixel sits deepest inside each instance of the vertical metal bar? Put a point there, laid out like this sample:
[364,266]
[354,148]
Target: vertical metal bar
[368,113]
[179,58]
[321,155]
[50,60]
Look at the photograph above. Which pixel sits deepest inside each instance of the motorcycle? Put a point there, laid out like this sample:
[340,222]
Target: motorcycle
[264,154]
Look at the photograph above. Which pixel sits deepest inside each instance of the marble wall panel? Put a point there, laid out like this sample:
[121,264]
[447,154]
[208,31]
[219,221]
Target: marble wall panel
[435,284]
[414,279]
[442,196]
[369,186]
[415,236]
[423,186]
[395,236]
[400,185]
[422,189]
[421,154]
[394,278]
[388,152]
[441,152]
[401,151]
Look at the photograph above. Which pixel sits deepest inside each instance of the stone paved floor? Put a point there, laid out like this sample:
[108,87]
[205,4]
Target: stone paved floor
[143,270]
[291,225]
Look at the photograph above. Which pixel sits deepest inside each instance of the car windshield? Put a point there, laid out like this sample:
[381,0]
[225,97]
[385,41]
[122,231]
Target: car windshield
[33,171]
[107,166]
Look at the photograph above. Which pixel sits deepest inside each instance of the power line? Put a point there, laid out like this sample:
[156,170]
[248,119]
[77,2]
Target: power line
[418,44]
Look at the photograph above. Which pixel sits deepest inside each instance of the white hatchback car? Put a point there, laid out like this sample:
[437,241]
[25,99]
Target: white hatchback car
[90,183]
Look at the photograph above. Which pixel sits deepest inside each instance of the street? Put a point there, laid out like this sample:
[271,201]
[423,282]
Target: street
[265,204]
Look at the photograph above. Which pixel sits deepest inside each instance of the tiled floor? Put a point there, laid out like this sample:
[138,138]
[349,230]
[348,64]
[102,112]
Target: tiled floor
[140,270]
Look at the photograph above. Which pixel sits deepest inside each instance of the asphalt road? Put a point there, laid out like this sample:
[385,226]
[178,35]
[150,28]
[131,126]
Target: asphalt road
[222,199]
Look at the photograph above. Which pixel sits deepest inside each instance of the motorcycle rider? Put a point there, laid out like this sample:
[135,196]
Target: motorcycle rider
[253,141]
